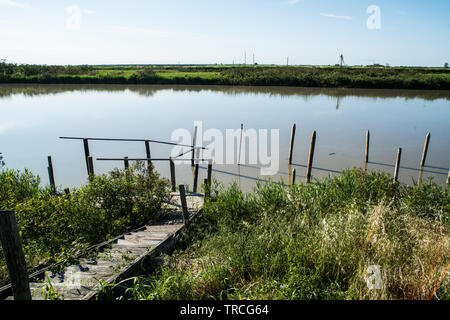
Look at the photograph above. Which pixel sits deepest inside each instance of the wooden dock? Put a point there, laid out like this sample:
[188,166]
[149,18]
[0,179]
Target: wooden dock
[122,258]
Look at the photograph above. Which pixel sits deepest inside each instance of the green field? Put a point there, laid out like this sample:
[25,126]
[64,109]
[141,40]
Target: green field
[239,75]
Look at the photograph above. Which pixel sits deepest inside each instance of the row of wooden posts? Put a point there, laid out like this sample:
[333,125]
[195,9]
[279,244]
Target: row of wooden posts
[90,164]
[366,157]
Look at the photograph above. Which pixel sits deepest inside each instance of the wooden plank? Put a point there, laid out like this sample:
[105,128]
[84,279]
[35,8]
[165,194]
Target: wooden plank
[397,164]
[291,145]
[311,157]
[14,256]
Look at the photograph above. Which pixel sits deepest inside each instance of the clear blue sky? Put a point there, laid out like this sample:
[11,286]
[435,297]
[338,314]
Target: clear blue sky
[413,32]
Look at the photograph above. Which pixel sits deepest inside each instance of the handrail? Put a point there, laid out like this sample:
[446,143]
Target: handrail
[131,140]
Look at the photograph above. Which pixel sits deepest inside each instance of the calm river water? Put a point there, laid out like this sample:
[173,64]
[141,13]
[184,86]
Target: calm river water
[33,117]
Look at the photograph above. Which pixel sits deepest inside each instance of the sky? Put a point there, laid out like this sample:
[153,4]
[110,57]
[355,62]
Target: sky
[311,32]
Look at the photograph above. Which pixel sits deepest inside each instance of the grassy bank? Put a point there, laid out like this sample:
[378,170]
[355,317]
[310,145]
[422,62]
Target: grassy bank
[297,76]
[57,228]
[311,241]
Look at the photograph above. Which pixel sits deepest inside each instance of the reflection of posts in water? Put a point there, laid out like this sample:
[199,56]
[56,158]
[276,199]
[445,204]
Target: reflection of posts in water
[397,164]
[338,102]
[311,157]
[424,157]
[366,153]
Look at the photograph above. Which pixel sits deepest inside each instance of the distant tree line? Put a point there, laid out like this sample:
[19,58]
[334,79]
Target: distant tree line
[10,69]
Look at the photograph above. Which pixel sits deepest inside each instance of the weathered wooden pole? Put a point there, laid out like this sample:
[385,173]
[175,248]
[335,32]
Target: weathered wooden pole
[90,167]
[126,163]
[194,142]
[184,203]
[397,164]
[86,153]
[148,154]
[172,175]
[291,145]
[196,177]
[424,157]
[14,256]
[51,175]
[209,172]
[293,177]
[311,156]
[366,153]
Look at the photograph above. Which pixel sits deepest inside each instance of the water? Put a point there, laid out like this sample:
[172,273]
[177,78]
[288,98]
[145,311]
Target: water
[33,117]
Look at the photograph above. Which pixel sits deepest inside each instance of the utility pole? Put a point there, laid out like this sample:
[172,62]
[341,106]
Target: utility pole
[245,58]
[287,61]
[253,59]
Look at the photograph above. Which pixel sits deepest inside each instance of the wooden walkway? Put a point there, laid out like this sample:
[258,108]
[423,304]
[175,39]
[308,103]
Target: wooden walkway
[121,260]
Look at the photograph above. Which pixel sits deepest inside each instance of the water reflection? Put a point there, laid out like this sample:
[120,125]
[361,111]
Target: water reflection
[32,117]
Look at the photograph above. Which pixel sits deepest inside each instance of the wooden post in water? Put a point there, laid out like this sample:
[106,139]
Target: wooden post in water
[194,142]
[366,154]
[196,177]
[184,203]
[86,153]
[397,164]
[424,157]
[148,154]
[209,172]
[291,145]
[172,175]
[14,257]
[311,156]
[90,167]
[51,175]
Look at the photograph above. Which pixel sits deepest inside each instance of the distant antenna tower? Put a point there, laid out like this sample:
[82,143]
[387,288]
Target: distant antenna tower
[287,61]
[245,57]
[341,60]
[253,59]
